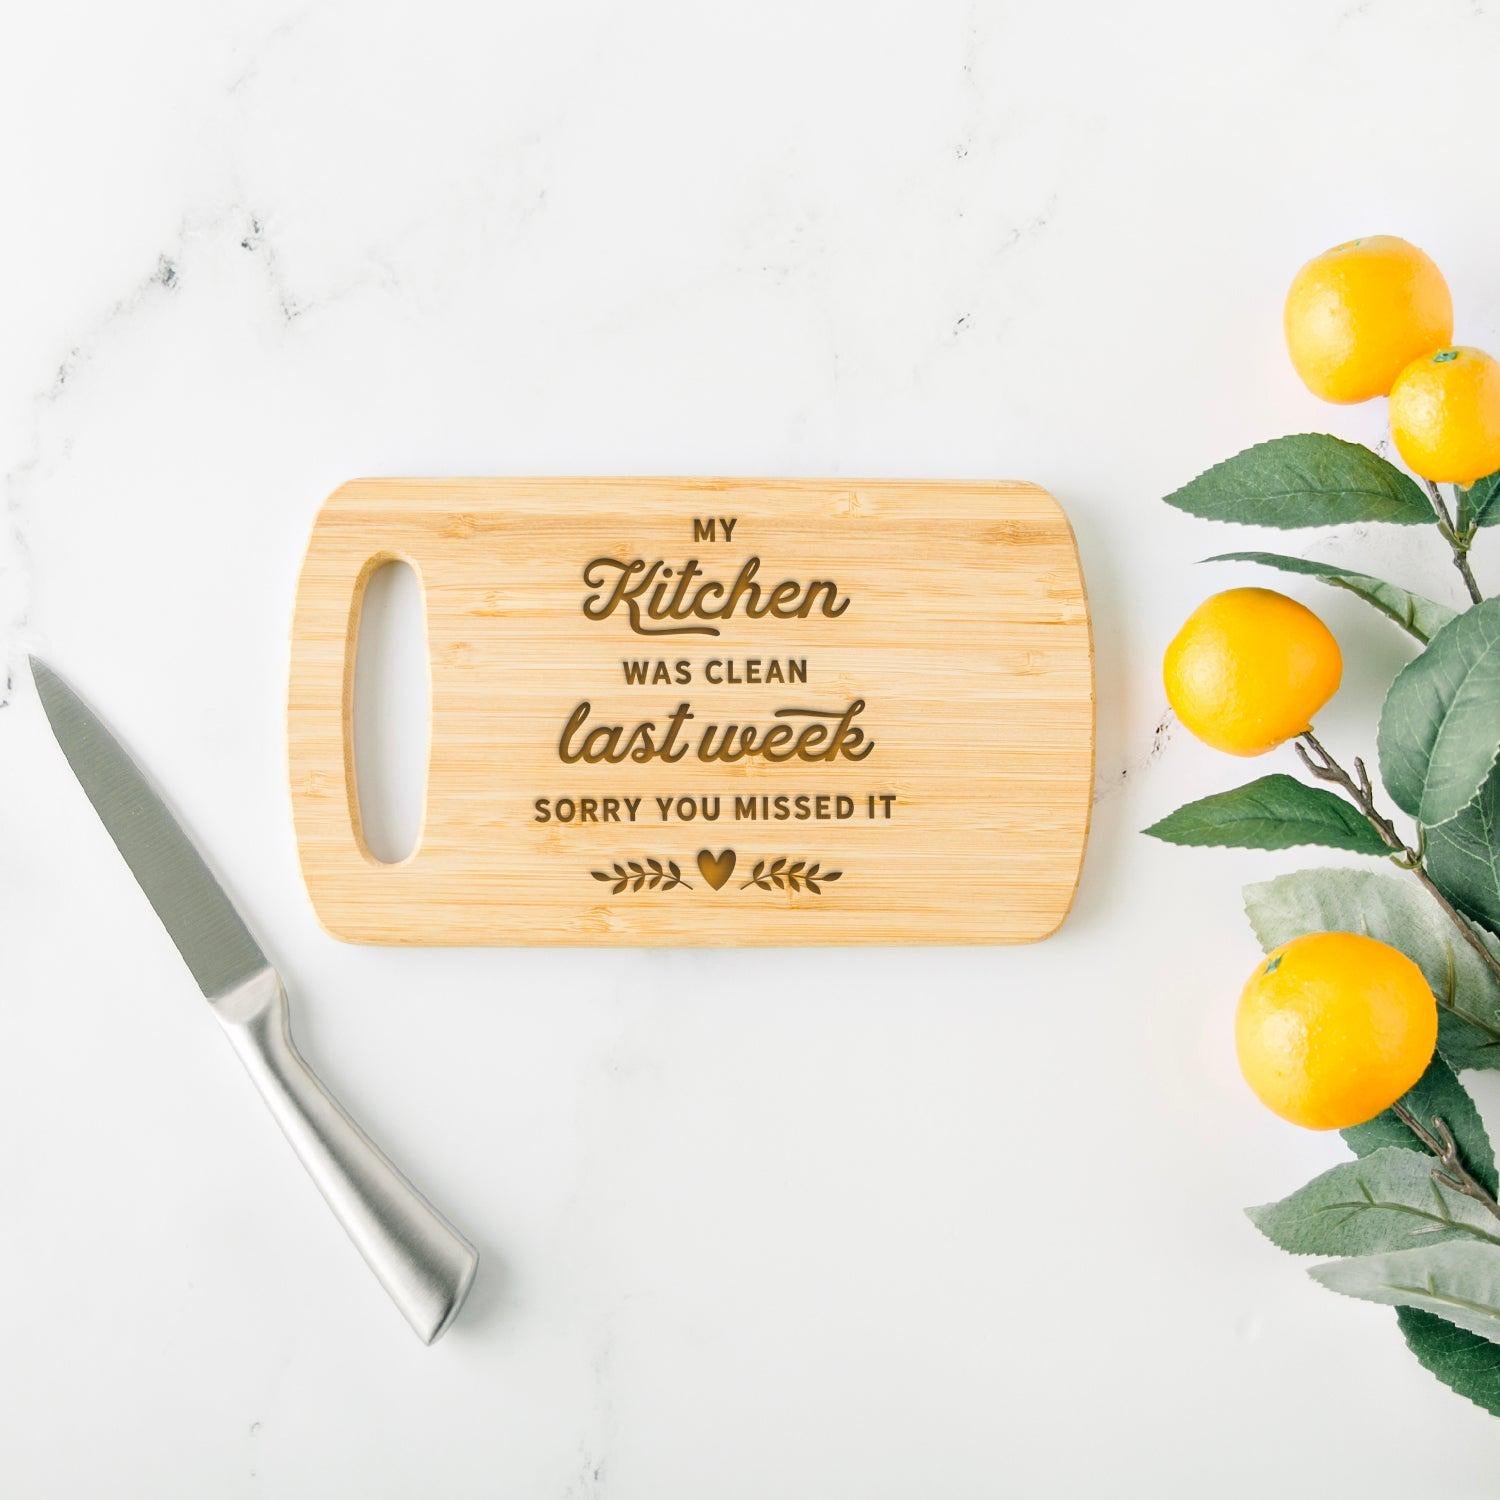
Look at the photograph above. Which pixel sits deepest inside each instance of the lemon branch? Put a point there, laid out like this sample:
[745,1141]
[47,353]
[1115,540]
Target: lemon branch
[1458,540]
[1362,794]
[1450,1170]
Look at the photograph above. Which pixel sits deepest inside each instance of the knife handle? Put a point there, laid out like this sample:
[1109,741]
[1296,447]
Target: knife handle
[425,1264]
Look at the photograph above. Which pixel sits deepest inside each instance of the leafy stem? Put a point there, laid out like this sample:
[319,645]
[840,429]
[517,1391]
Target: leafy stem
[1361,793]
[1450,1170]
[634,875]
[780,875]
[1457,537]
[1463,520]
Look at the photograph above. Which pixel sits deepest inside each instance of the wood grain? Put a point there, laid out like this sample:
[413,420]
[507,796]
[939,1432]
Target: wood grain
[966,635]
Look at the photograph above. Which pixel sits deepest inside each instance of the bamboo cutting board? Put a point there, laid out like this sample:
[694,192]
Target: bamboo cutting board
[693,711]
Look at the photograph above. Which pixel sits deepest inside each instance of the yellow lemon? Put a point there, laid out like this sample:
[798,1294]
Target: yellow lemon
[1358,314]
[1445,415]
[1249,669]
[1333,1028]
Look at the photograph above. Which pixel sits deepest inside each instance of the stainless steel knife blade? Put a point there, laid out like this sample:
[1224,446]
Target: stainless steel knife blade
[192,905]
[425,1264]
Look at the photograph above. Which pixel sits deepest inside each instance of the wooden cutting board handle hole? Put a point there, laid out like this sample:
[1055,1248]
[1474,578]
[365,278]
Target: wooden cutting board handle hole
[387,711]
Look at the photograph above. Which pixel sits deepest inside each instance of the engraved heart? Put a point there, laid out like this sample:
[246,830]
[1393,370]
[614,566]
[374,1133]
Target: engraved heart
[716,868]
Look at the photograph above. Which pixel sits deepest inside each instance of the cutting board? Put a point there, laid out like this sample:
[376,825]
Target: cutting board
[708,711]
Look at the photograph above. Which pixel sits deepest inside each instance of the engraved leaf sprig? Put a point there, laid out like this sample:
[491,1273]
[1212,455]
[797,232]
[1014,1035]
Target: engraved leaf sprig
[785,876]
[639,875]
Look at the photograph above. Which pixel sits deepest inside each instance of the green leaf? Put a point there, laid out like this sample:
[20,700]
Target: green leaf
[1483,501]
[1276,812]
[1388,1201]
[1440,724]
[1310,479]
[1463,856]
[1463,1361]
[1437,1093]
[1402,914]
[1456,1279]
[1415,614]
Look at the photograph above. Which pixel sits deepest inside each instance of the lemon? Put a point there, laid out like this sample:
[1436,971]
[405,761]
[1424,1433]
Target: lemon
[1249,669]
[1358,314]
[1445,415]
[1333,1028]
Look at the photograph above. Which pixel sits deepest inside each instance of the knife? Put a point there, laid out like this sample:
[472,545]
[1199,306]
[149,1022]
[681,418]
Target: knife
[425,1264]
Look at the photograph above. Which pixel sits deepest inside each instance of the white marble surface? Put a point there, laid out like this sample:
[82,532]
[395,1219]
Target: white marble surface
[957,1223]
